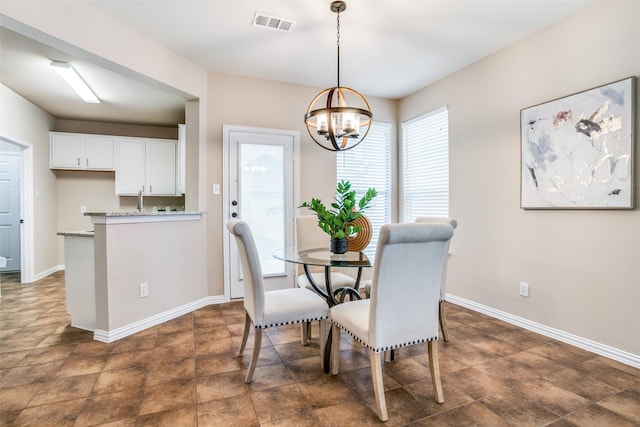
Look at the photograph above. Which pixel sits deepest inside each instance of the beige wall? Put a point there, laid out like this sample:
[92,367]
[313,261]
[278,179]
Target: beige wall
[195,161]
[24,123]
[582,266]
[118,129]
[260,103]
[169,256]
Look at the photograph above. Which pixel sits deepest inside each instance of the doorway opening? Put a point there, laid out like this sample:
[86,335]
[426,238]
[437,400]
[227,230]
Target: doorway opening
[17,160]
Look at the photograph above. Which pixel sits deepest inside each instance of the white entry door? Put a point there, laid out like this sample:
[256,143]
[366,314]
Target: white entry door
[259,189]
[10,210]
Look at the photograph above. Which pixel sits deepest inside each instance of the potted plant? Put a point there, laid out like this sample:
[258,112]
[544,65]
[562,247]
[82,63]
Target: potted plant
[336,222]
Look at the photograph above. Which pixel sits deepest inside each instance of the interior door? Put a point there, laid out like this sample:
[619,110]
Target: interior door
[10,210]
[259,189]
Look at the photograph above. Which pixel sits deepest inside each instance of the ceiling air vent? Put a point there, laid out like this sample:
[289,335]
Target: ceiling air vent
[272,22]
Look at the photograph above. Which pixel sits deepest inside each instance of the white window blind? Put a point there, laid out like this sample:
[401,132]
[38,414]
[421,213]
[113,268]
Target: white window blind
[368,165]
[425,166]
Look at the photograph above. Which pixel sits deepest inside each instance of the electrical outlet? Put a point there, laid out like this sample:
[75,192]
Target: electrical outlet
[144,289]
[524,289]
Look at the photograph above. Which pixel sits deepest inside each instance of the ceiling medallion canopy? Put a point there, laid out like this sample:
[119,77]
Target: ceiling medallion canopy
[338,118]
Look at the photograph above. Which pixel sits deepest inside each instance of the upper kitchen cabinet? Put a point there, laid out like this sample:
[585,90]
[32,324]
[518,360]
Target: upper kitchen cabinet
[147,165]
[81,151]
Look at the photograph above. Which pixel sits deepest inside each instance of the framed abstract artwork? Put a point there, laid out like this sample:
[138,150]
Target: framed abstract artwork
[577,152]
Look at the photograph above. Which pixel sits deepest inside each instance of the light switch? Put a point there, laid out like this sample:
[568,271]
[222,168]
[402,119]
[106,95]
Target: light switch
[216,189]
[83,209]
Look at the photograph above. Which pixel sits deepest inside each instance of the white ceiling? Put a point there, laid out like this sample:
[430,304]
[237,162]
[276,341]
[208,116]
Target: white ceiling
[125,98]
[388,48]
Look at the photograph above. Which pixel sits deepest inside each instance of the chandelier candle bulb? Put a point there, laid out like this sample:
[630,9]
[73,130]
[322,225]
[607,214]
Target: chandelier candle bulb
[349,124]
[323,128]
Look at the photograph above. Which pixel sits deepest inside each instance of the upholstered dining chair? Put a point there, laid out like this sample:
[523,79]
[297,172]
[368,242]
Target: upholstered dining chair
[443,286]
[403,308]
[265,309]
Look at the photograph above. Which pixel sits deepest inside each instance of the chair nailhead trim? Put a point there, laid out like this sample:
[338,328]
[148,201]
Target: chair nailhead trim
[381,349]
[288,322]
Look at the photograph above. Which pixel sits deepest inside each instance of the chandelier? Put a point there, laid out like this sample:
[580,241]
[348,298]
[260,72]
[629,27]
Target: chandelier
[338,118]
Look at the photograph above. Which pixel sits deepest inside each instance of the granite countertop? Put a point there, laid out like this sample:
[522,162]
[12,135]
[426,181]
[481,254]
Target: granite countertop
[135,216]
[144,213]
[84,233]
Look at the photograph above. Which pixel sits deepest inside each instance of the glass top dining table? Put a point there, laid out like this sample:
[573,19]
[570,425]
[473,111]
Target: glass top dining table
[321,257]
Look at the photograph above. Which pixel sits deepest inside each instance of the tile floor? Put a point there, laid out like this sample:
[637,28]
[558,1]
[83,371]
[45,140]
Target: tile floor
[185,373]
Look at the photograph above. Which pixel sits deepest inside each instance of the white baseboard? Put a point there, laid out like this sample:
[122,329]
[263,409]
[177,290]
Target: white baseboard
[132,328]
[586,344]
[47,272]
[140,325]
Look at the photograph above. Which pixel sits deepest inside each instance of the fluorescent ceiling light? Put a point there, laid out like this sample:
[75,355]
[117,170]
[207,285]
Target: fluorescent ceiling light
[77,84]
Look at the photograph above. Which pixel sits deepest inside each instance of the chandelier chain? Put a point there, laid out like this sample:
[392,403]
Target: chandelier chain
[338,43]
[338,29]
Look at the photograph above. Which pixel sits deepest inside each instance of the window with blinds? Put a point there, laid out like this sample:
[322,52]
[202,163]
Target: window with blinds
[369,165]
[425,166]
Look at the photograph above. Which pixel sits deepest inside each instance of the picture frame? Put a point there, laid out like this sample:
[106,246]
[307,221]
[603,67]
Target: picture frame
[577,152]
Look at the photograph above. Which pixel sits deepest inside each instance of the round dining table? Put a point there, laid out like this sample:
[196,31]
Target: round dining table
[322,257]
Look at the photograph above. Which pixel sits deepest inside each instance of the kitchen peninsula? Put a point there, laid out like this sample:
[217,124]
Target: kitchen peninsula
[144,268]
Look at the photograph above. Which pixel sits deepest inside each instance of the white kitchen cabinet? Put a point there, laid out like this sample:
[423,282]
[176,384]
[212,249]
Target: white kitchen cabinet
[130,168]
[78,151]
[161,167]
[182,157]
[146,164]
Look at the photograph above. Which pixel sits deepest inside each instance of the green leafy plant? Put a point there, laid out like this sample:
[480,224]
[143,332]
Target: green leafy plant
[336,222]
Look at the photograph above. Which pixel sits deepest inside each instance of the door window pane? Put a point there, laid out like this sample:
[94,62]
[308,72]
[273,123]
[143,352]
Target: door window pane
[262,203]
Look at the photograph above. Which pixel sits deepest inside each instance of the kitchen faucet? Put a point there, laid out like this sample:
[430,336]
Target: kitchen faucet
[140,201]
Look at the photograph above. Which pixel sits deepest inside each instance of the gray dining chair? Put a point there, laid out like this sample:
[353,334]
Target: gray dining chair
[403,308]
[443,286]
[265,309]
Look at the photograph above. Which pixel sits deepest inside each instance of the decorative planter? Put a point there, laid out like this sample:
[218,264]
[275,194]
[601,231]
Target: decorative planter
[359,241]
[338,246]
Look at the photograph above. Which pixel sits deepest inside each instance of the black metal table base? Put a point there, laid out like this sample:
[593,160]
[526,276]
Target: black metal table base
[330,295]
